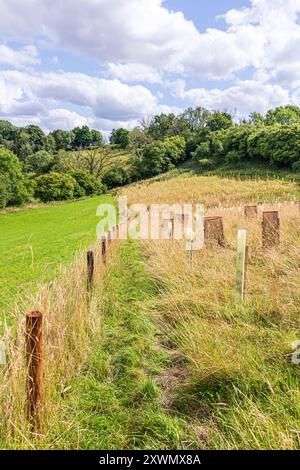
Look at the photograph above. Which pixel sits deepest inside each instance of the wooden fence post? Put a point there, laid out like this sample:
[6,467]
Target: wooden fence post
[90,269]
[270,229]
[34,349]
[213,230]
[103,249]
[250,211]
[242,252]
[109,238]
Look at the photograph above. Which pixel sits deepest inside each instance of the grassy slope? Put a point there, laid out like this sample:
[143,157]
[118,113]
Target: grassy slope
[35,242]
[117,402]
[239,375]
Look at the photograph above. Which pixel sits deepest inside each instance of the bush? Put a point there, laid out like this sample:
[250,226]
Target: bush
[55,187]
[87,184]
[115,177]
[14,189]
[278,144]
[202,152]
[296,166]
[206,164]
[233,157]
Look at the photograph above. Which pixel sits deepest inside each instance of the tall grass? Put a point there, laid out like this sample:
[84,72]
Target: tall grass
[238,355]
[71,324]
[211,191]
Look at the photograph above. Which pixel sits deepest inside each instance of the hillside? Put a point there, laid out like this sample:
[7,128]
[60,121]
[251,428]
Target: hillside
[165,355]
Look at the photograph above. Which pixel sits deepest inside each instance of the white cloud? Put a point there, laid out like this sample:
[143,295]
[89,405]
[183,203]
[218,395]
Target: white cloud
[141,41]
[62,119]
[21,58]
[243,98]
[134,73]
[135,32]
[101,99]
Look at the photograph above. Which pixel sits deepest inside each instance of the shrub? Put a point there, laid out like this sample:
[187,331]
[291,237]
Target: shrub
[55,187]
[115,177]
[278,144]
[296,166]
[88,184]
[206,164]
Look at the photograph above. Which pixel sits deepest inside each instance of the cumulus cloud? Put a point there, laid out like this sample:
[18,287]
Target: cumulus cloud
[107,100]
[243,98]
[140,42]
[134,73]
[21,58]
[136,32]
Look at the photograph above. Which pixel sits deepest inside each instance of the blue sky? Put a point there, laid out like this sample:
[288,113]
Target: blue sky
[109,63]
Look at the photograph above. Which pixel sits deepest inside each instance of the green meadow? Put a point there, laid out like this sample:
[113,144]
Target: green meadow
[35,242]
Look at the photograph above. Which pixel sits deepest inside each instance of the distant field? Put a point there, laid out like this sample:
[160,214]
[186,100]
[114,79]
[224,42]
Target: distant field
[35,242]
[210,190]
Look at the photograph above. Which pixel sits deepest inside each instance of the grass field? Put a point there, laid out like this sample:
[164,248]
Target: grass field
[35,242]
[163,355]
[236,378]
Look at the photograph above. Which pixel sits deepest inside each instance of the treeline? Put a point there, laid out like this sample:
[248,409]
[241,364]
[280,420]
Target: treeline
[70,164]
[212,139]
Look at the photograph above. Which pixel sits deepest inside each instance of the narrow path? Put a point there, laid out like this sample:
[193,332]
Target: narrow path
[120,400]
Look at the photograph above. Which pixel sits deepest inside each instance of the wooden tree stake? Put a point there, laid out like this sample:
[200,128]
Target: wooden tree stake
[250,211]
[213,230]
[270,229]
[34,349]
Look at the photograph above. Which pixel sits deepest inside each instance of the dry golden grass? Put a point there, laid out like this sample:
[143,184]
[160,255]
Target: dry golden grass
[210,190]
[238,355]
[234,346]
[71,324]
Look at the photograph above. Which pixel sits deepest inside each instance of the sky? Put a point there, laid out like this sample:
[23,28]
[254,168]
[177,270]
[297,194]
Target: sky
[111,63]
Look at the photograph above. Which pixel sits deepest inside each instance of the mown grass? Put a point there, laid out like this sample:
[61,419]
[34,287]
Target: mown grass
[117,401]
[35,242]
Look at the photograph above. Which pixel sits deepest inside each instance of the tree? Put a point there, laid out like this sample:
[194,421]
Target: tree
[285,115]
[153,160]
[8,133]
[166,125]
[120,137]
[14,189]
[96,138]
[39,162]
[82,137]
[217,121]
[196,118]
[37,137]
[55,187]
[62,139]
